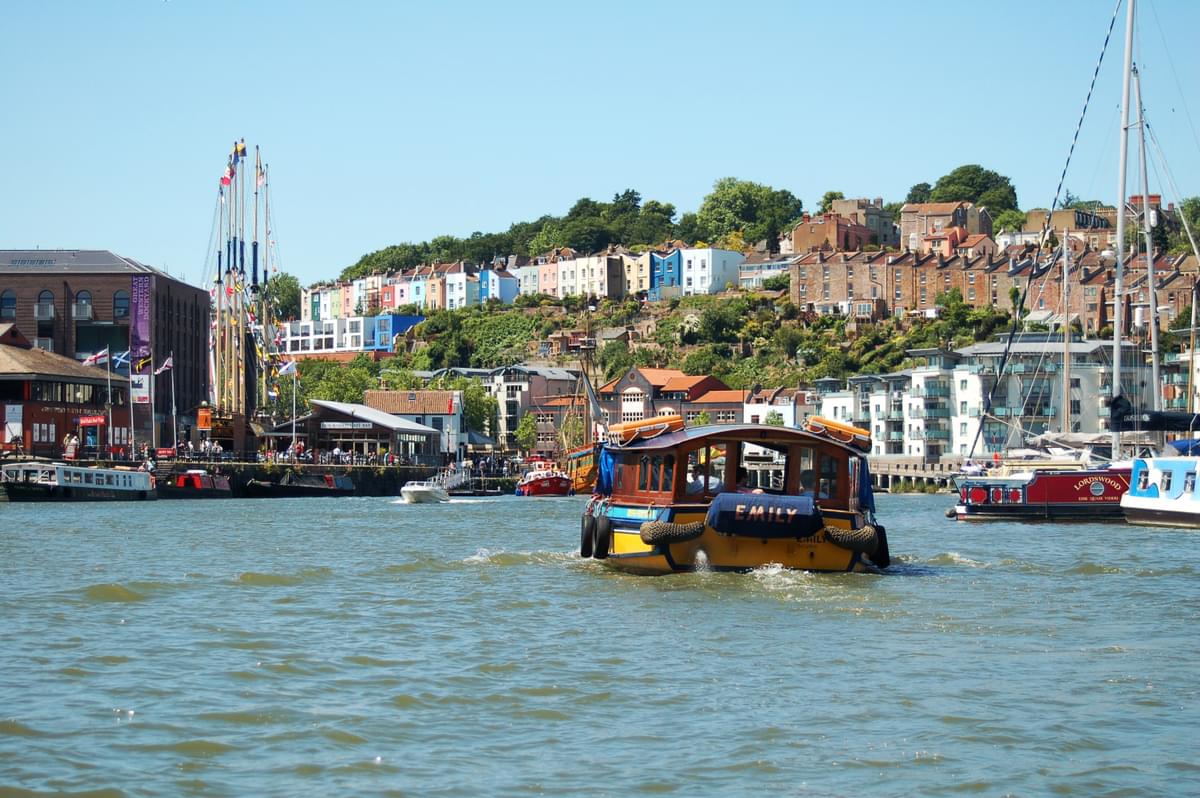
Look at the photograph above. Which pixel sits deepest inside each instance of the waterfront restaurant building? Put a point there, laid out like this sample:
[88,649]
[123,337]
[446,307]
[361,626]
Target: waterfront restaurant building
[45,396]
[361,430]
[75,302]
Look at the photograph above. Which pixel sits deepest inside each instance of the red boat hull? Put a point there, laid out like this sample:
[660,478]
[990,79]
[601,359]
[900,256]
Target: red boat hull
[556,485]
[1044,495]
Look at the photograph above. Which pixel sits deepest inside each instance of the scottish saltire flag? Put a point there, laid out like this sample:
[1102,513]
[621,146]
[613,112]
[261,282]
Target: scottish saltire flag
[97,358]
[121,359]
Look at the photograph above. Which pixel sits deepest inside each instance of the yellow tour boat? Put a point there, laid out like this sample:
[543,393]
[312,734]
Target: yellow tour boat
[734,497]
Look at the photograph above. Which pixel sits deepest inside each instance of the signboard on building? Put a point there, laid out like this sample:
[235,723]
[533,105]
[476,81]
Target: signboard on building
[166,451]
[139,388]
[13,419]
[346,425]
[91,421]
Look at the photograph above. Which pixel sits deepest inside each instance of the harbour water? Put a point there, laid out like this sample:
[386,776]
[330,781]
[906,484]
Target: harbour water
[361,646]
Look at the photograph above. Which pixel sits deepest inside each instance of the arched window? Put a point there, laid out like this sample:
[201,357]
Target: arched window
[8,304]
[121,304]
[46,297]
[83,297]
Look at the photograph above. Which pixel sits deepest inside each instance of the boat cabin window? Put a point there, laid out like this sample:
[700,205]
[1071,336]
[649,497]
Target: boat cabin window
[706,470]
[1165,484]
[656,473]
[780,468]
[827,482]
[1189,482]
[1143,480]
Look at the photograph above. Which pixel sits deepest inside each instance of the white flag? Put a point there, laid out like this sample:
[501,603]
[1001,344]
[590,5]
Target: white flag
[287,368]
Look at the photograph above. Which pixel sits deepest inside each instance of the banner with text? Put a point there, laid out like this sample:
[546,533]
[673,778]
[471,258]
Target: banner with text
[139,329]
[139,388]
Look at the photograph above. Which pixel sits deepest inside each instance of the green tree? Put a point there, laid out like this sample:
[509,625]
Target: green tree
[774,419]
[1010,220]
[758,211]
[918,193]
[282,293]
[615,359]
[778,282]
[702,418]
[526,432]
[345,382]
[973,183]
[827,201]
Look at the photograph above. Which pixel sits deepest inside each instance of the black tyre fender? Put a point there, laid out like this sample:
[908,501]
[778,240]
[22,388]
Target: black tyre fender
[882,556]
[864,540]
[587,530]
[602,538]
[656,532]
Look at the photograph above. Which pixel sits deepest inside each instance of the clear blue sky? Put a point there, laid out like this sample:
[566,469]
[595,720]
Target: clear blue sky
[393,121]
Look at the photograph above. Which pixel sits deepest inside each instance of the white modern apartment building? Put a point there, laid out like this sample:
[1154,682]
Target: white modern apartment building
[938,407]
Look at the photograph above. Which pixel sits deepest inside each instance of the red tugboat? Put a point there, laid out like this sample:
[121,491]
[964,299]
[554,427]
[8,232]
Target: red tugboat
[544,479]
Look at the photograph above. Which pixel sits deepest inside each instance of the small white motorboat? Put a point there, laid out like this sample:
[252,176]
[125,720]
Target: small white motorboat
[424,492]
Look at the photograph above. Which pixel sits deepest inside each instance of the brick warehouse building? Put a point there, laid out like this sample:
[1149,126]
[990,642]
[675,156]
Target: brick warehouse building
[76,302]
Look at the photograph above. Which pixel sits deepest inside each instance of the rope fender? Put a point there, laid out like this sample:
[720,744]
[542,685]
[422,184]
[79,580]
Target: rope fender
[654,532]
[864,540]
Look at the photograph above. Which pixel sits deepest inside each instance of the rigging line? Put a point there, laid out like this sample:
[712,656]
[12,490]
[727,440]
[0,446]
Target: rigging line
[212,234]
[1046,224]
[1175,74]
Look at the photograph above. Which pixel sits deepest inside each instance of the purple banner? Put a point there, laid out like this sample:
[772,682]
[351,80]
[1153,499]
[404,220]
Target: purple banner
[139,331]
[139,337]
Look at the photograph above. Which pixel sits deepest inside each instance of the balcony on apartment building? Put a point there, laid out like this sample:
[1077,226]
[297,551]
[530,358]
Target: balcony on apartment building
[81,311]
[933,411]
[895,413]
[935,434]
[43,311]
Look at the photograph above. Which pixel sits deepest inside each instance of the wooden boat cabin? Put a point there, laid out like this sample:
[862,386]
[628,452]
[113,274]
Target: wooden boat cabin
[735,497]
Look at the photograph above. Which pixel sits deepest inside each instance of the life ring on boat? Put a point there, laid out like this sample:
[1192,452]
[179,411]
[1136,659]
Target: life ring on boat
[655,532]
[587,529]
[602,538]
[864,540]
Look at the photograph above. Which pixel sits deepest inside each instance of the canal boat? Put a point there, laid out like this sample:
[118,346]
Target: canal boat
[195,483]
[1163,492]
[58,482]
[1041,491]
[294,486]
[734,497]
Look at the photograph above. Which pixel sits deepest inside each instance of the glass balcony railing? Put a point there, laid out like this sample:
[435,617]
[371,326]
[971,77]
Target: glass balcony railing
[937,434]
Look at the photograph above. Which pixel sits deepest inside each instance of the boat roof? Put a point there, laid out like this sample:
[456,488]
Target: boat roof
[751,433]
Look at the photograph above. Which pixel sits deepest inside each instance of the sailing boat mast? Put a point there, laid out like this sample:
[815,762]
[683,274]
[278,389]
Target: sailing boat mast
[1119,284]
[1153,284]
[1066,331]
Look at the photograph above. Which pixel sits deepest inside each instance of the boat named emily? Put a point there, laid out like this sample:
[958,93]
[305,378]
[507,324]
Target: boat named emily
[734,498]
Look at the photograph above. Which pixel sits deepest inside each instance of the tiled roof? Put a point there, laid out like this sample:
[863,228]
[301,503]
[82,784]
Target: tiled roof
[17,361]
[931,207]
[721,397]
[683,382]
[410,402]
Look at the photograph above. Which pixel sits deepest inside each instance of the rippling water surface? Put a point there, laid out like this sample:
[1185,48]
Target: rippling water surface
[360,646]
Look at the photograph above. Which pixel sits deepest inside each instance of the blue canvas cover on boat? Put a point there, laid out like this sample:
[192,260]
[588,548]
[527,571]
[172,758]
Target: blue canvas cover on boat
[866,494]
[1186,446]
[763,515]
[604,476]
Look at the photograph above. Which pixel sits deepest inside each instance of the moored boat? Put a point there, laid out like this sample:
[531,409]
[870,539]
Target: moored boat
[194,483]
[1043,494]
[292,486]
[686,499]
[1163,492]
[58,482]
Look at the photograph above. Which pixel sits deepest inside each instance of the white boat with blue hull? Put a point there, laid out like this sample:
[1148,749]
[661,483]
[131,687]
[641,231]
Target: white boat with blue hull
[1162,492]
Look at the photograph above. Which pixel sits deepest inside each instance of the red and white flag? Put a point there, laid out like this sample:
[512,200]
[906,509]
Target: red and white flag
[97,358]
